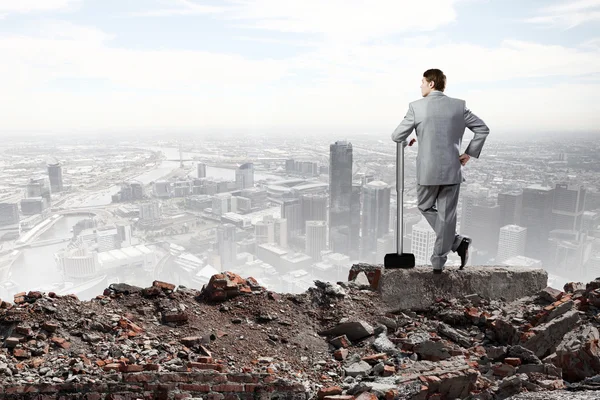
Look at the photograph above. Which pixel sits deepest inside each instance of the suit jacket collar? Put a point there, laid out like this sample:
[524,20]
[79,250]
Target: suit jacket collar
[435,93]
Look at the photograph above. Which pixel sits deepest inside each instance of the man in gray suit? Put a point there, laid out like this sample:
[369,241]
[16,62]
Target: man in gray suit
[440,123]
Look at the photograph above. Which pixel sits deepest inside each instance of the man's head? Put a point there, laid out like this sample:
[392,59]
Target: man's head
[433,79]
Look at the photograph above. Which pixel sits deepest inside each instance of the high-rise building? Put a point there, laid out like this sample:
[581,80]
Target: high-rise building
[340,196]
[244,176]
[291,211]
[511,207]
[150,212]
[423,241]
[201,170]
[591,222]
[314,208]
[569,252]
[281,232]
[568,206]
[226,243]
[354,251]
[55,175]
[264,231]
[39,187]
[537,218]
[375,217]
[512,242]
[10,227]
[221,203]
[163,188]
[34,205]
[316,238]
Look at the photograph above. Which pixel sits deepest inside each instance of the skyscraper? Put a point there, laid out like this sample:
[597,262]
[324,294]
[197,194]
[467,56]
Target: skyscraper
[150,211]
[55,175]
[340,196]
[201,170]
[375,217]
[264,231]
[512,242]
[281,232]
[10,227]
[291,211]
[568,206]
[226,245]
[40,186]
[354,251]
[537,218]
[316,238]
[244,176]
[511,207]
[423,240]
[314,208]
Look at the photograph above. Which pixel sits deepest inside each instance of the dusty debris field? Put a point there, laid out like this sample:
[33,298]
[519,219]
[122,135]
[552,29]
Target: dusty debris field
[334,340]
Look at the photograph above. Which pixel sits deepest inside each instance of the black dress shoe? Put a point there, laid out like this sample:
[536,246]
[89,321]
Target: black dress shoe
[463,252]
[437,271]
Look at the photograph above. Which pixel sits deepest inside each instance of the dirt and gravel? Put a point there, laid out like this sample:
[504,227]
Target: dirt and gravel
[334,339]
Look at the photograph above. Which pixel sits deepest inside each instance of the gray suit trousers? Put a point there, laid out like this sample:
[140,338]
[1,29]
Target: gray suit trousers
[438,205]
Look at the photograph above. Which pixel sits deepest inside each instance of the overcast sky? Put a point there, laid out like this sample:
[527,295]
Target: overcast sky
[294,66]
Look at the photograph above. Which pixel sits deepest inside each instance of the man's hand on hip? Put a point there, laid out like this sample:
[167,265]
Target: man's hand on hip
[464,158]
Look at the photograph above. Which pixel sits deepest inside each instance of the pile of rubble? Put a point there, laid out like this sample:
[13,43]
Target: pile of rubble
[335,339]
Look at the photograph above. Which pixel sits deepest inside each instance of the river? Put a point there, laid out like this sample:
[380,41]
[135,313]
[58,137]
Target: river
[36,266]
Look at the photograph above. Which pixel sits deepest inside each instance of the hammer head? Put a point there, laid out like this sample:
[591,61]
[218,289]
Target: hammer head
[394,260]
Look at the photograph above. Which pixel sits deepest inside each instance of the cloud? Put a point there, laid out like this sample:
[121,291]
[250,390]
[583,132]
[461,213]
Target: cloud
[343,20]
[340,20]
[73,77]
[568,15]
[28,6]
[181,7]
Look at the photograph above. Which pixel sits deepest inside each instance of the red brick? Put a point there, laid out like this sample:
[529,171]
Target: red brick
[138,378]
[175,317]
[151,367]
[504,370]
[225,387]
[329,391]
[515,362]
[195,388]
[163,285]
[191,340]
[216,367]
[242,378]
[391,394]
[60,342]
[112,367]
[340,354]
[131,368]
[389,370]
[21,353]
[250,387]
[375,358]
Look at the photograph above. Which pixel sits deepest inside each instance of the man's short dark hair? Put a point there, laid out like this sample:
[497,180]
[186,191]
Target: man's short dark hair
[437,77]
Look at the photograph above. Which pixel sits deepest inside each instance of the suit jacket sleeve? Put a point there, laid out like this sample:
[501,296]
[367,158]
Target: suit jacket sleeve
[481,131]
[406,126]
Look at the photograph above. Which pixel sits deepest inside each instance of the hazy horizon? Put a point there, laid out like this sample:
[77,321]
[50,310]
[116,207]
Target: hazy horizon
[265,66]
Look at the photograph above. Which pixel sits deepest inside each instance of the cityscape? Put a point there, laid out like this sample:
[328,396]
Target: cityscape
[78,216]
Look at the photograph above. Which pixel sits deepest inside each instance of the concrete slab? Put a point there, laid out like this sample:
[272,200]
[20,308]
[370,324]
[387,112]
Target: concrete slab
[417,288]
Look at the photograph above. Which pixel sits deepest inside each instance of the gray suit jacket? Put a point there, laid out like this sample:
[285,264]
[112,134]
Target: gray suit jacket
[440,122]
